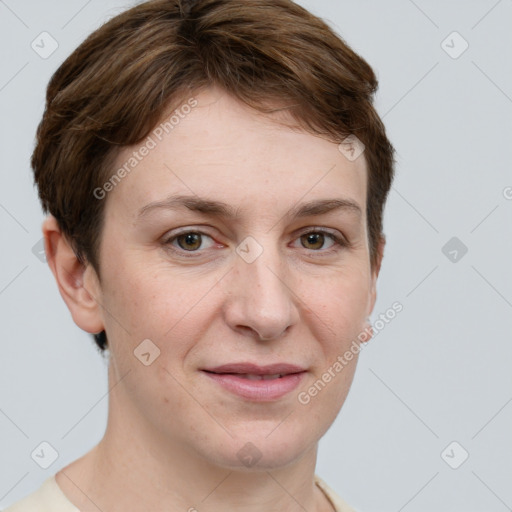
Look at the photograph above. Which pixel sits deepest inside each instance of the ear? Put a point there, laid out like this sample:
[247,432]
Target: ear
[78,284]
[373,284]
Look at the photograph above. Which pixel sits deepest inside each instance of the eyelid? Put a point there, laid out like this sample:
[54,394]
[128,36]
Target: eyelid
[320,229]
[340,241]
[168,238]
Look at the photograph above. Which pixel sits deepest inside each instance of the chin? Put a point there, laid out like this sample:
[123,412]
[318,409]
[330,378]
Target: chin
[251,453]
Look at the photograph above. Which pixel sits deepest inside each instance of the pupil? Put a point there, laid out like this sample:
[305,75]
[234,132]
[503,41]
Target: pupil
[315,239]
[192,241]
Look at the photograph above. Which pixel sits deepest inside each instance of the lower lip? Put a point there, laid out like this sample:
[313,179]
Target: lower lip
[258,390]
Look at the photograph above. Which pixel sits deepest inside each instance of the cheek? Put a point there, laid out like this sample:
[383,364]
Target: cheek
[157,303]
[340,304]
[341,301]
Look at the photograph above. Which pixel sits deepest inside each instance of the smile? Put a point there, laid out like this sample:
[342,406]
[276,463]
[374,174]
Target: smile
[256,383]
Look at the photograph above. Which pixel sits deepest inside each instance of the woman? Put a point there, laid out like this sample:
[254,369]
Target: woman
[215,176]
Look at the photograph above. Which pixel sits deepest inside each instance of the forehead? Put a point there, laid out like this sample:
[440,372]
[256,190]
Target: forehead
[213,145]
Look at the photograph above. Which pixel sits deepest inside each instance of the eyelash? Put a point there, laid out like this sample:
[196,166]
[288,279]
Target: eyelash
[339,243]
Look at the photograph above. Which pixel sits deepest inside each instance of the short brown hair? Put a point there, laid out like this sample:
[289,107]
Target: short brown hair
[115,87]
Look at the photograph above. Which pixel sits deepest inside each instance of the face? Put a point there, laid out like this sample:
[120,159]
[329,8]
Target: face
[238,247]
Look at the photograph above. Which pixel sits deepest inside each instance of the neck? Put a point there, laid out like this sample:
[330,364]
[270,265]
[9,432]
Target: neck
[135,467]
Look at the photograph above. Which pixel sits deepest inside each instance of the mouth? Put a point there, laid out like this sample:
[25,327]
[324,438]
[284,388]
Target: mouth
[257,383]
[250,376]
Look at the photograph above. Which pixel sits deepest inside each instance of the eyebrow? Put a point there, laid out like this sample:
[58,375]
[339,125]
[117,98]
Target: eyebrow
[223,210]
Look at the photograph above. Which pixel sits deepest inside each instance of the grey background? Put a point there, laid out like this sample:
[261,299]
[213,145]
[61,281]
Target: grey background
[439,372]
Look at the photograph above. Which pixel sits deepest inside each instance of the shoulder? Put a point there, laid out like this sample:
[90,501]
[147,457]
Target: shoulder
[338,503]
[46,498]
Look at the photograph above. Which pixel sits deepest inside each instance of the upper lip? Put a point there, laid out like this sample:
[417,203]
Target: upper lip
[254,369]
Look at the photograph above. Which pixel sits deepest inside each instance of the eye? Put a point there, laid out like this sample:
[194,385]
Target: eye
[190,241]
[315,240]
[193,242]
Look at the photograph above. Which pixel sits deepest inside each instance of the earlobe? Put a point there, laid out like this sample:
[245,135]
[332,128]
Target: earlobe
[71,275]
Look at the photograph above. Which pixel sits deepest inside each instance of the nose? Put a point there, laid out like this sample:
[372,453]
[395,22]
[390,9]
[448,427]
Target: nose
[261,300]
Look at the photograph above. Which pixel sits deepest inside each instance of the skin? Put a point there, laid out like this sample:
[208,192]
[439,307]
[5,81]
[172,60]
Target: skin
[171,430]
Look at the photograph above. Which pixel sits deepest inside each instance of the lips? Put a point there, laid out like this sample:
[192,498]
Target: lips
[257,383]
[256,370]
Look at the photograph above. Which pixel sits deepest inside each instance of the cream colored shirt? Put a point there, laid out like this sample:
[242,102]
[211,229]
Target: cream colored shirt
[50,498]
